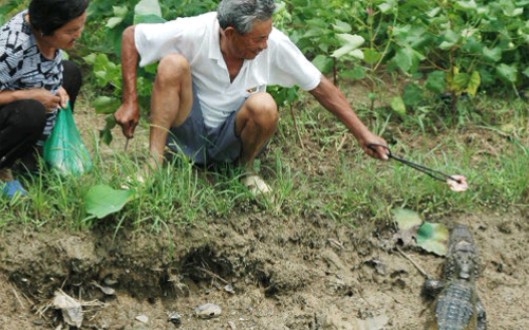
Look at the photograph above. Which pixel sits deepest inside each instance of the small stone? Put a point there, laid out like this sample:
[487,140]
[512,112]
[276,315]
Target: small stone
[174,318]
[207,311]
[142,318]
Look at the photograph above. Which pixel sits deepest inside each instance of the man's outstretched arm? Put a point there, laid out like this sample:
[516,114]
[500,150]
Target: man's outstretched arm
[332,99]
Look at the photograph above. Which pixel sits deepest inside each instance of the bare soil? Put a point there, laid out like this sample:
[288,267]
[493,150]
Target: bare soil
[265,273]
[300,271]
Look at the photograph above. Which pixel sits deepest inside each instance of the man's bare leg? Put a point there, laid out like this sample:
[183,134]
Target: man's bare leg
[255,123]
[171,102]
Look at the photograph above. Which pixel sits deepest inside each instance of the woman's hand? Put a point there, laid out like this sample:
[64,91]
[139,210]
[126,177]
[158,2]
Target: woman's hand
[48,99]
[61,92]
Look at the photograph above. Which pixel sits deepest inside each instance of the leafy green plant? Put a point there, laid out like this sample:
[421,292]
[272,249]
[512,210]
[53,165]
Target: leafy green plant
[102,200]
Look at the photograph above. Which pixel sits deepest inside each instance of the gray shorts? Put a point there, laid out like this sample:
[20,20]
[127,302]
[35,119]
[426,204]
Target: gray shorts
[203,144]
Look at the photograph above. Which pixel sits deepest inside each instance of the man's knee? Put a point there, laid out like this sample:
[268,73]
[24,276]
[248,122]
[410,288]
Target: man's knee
[173,67]
[262,108]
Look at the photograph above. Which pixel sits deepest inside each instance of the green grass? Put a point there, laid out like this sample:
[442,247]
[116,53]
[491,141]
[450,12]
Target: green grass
[316,170]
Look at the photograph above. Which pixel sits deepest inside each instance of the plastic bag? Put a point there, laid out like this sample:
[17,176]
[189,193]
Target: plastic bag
[64,149]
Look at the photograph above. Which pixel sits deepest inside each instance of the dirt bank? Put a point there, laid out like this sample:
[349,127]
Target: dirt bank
[300,272]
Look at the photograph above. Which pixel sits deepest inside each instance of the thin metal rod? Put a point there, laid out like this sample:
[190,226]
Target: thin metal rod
[438,175]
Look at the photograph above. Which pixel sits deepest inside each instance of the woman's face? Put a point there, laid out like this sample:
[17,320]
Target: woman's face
[65,36]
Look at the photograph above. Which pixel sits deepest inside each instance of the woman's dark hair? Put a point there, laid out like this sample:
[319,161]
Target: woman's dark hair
[47,16]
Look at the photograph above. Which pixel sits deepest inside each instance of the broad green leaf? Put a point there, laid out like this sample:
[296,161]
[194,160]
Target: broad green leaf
[466,5]
[323,63]
[101,200]
[113,22]
[106,104]
[401,32]
[351,40]
[357,53]
[324,47]
[460,81]
[403,59]
[313,32]
[412,94]
[526,72]
[90,58]
[493,54]
[407,222]
[348,50]
[436,81]
[472,45]
[148,7]
[473,83]
[513,12]
[355,73]
[433,12]
[106,136]
[318,22]
[120,11]
[371,56]
[397,104]
[344,50]
[507,72]
[386,7]
[342,27]
[450,38]
[148,19]
[406,219]
[110,122]
[407,59]
[148,11]
[446,45]
[433,237]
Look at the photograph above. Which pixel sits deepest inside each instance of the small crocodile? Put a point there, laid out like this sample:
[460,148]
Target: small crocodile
[457,306]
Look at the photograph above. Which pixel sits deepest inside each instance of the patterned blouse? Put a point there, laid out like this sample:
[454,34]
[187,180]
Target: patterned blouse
[23,66]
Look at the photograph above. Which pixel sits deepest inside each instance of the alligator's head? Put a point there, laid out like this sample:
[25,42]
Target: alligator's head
[464,260]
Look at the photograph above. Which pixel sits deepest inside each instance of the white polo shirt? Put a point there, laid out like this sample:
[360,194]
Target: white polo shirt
[197,39]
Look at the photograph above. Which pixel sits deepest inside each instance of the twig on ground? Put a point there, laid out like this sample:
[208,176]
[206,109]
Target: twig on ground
[296,126]
[210,273]
[419,268]
[18,298]
[342,142]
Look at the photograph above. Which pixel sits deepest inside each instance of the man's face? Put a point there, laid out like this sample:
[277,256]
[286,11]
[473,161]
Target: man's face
[247,46]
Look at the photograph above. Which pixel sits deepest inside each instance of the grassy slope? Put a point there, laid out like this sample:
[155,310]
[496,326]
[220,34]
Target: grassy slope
[317,167]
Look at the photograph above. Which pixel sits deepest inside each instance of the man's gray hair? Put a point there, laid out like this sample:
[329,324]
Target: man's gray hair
[241,14]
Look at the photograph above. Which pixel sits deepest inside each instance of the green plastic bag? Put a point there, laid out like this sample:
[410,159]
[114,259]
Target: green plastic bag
[64,149]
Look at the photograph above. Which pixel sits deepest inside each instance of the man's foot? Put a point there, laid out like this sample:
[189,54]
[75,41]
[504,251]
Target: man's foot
[256,185]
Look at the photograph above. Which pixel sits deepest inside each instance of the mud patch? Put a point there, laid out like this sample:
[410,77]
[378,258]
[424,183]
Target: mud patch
[311,274]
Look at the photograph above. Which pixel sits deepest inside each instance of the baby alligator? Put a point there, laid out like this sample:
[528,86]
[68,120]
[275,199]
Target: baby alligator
[457,306]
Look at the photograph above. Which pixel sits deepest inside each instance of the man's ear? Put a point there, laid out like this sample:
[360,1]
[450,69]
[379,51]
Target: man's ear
[229,31]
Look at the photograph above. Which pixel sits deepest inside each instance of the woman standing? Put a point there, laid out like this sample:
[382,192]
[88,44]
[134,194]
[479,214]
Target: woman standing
[35,81]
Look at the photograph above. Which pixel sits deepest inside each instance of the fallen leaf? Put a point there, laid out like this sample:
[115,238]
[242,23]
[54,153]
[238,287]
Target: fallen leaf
[71,309]
[408,222]
[433,237]
[101,200]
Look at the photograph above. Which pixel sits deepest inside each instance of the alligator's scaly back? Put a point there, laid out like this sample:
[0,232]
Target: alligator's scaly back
[458,307]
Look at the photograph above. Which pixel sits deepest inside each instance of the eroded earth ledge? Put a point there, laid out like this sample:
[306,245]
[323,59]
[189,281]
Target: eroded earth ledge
[298,272]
